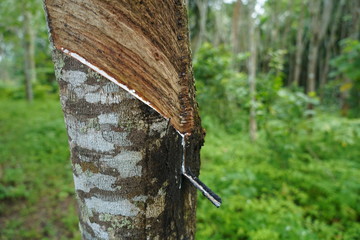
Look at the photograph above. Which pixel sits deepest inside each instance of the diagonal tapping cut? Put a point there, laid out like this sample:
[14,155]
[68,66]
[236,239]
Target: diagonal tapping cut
[186,172]
[145,55]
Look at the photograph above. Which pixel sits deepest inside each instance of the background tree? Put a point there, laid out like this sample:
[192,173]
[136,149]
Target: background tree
[320,19]
[24,51]
[252,70]
[28,40]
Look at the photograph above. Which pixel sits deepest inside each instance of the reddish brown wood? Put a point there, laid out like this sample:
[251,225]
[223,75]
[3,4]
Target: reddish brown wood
[142,44]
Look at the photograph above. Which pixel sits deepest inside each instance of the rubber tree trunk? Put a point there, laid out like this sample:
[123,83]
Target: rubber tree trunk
[299,52]
[220,34]
[126,157]
[319,26]
[235,32]
[29,54]
[330,44]
[252,72]
[201,36]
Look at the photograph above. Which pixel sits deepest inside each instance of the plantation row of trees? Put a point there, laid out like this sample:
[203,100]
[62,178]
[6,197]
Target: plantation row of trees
[301,36]
[25,60]
[310,46]
[300,46]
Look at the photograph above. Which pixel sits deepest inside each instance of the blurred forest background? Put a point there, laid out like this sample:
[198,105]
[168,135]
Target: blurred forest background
[278,84]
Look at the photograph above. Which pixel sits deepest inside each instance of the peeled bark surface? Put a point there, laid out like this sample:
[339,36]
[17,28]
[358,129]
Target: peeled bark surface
[126,160]
[140,44]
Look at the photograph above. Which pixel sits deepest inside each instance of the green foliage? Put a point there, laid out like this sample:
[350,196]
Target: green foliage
[36,189]
[301,180]
[15,92]
[348,62]
[12,48]
[221,92]
[284,122]
[348,71]
[314,196]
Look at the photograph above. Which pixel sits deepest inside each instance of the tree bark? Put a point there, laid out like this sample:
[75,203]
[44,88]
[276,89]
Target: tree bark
[319,25]
[252,72]
[312,64]
[235,31]
[29,54]
[355,7]
[330,44]
[299,52]
[220,34]
[203,9]
[127,159]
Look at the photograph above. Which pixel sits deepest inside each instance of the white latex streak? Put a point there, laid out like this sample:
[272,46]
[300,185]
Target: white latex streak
[104,74]
[132,92]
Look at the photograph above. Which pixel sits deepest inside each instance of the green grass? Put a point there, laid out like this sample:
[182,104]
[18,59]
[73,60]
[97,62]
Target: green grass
[307,187]
[300,186]
[36,189]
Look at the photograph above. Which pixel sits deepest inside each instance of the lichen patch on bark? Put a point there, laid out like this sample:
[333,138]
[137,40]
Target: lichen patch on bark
[115,207]
[99,231]
[88,138]
[86,181]
[109,118]
[126,163]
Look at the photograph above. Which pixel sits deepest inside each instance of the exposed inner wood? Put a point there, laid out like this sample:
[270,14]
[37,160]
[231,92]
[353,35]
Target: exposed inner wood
[142,44]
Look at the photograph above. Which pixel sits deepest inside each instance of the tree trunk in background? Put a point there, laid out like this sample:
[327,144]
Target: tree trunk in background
[355,19]
[352,31]
[312,64]
[330,44]
[284,38]
[29,54]
[220,36]
[126,158]
[235,31]
[203,9]
[274,30]
[319,24]
[252,73]
[299,52]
